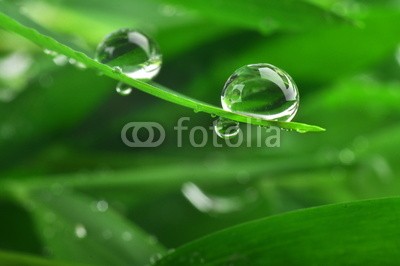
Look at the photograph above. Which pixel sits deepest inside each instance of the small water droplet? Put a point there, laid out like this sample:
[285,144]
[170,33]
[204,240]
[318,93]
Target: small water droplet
[197,109]
[262,91]
[123,89]
[50,52]
[60,60]
[155,258]
[226,128]
[301,130]
[382,168]
[170,251]
[7,94]
[126,236]
[136,54]
[213,115]
[168,10]
[80,231]
[153,240]
[117,69]
[346,156]
[102,206]
[196,258]
[77,63]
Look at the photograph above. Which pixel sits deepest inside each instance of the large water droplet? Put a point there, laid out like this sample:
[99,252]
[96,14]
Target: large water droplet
[134,52]
[263,91]
[123,89]
[226,128]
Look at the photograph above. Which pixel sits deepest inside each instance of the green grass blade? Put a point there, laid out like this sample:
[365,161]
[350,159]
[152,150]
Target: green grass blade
[158,91]
[357,233]
[14,259]
[104,237]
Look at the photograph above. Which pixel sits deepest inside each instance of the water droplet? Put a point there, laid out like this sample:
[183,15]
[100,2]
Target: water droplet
[117,69]
[7,94]
[168,10]
[170,251]
[123,89]
[210,204]
[49,52]
[243,177]
[132,51]
[77,63]
[262,91]
[346,156]
[80,231]
[196,258]
[126,236]
[102,206]
[153,240]
[226,128]
[60,60]
[197,109]
[301,130]
[382,168]
[155,258]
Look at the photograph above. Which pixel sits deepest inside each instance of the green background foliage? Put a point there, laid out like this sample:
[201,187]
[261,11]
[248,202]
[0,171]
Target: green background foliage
[63,166]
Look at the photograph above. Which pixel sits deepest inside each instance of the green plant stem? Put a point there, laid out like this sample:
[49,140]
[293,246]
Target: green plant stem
[47,42]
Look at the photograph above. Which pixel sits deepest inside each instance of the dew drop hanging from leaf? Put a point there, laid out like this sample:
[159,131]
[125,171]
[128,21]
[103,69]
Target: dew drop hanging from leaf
[226,128]
[123,89]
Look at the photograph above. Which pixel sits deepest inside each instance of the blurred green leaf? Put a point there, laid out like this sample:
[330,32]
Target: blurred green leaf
[15,259]
[265,16]
[350,233]
[79,229]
